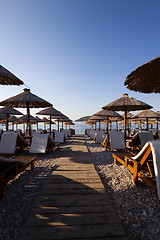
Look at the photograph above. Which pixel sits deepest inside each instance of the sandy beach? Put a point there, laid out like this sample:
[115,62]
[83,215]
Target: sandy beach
[137,207]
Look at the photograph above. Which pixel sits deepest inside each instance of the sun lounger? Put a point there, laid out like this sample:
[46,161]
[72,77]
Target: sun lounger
[9,142]
[100,137]
[10,167]
[144,165]
[140,139]
[40,143]
[145,137]
[59,137]
[93,135]
[114,141]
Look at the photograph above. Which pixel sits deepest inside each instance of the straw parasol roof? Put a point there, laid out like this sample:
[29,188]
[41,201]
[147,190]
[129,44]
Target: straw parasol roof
[129,115]
[62,118]
[108,114]
[147,114]
[10,110]
[26,100]
[126,103]
[52,112]
[151,121]
[11,119]
[39,119]
[7,111]
[8,78]
[145,78]
[24,118]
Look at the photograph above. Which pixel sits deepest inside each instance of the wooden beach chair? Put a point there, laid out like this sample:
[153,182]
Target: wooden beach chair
[100,137]
[140,139]
[59,137]
[10,167]
[144,165]
[114,141]
[41,143]
[10,142]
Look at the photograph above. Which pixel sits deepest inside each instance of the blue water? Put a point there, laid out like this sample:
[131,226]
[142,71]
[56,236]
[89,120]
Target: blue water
[79,127]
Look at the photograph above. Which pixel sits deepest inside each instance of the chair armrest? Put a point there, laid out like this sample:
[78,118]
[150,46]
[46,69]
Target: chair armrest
[131,159]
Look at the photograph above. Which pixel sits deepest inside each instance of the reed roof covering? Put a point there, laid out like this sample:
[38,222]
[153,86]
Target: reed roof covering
[10,110]
[107,113]
[98,118]
[147,114]
[126,103]
[24,118]
[61,117]
[39,119]
[69,123]
[10,119]
[8,78]
[145,78]
[90,122]
[50,111]
[129,115]
[26,98]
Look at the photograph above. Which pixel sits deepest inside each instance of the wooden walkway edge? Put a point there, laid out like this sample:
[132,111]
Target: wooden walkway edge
[73,203]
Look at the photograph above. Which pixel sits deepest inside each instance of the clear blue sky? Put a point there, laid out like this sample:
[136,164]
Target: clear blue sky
[76,54]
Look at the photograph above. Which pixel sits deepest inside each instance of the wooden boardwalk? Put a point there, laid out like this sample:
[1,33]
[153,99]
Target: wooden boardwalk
[73,203]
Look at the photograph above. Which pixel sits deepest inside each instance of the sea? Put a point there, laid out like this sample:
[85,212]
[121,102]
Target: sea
[79,127]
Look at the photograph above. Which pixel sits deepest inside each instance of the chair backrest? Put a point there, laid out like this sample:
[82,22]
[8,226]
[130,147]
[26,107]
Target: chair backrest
[39,143]
[153,130]
[93,135]
[155,148]
[145,137]
[8,142]
[65,131]
[117,140]
[100,137]
[59,137]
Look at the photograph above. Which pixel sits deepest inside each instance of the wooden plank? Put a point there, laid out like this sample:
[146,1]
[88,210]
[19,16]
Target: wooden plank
[73,200]
[73,203]
[69,232]
[71,219]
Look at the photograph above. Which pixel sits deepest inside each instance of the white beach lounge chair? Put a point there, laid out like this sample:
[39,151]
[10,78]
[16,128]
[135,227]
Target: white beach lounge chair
[40,143]
[93,135]
[141,164]
[117,140]
[100,137]
[8,142]
[145,137]
[59,137]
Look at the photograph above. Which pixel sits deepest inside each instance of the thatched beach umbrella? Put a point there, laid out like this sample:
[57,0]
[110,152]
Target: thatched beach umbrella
[69,123]
[107,114]
[146,78]
[52,112]
[8,111]
[91,123]
[98,119]
[126,104]
[38,120]
[24,119]
[62,118]
[147,114]
[11,119]
[8,78]
[26,100]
